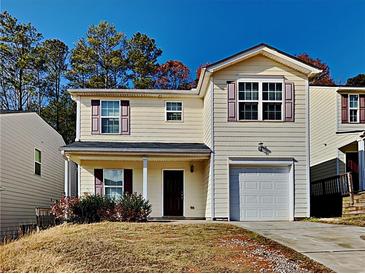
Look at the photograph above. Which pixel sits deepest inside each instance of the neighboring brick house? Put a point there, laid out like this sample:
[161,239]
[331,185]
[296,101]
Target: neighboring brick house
[236,147]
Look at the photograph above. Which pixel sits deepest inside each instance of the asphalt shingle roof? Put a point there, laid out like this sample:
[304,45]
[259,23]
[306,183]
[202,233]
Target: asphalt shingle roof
[139,147]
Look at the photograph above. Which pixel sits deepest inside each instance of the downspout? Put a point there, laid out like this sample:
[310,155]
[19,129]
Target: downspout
[78,119]
[212,154]
[308,151]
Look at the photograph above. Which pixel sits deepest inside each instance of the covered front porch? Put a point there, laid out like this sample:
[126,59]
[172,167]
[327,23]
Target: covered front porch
[173,177]
[354,162]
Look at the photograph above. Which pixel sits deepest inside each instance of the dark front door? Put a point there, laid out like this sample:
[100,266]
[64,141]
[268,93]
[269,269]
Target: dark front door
[352,165]
[173,192]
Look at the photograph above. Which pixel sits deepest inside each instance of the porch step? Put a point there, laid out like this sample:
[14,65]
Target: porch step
[359,212]
[358,207]
[345,205]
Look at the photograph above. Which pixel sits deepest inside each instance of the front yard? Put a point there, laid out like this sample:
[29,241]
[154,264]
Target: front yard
[150,247]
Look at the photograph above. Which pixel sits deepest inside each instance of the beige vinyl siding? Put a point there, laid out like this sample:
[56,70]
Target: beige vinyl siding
[195,193]
[284,139]
[208,140]
[325,112]
[208,117]
[23,191]
[346,126]
[147,121]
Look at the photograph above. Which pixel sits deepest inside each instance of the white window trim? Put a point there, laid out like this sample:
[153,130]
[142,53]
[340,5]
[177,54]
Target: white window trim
[260,101]
[104,186]
[358,109]
[34,162]
[181,111]
[101,117]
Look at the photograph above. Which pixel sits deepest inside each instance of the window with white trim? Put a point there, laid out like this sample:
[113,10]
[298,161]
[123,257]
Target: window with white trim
[113,183]
[174,111]
[248,100]
[272,101]
[37,162]
[110,116]
[260,100]
[354,108]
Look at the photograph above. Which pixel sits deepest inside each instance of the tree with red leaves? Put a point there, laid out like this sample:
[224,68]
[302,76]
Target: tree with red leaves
[324,78]
[198,72]
[173,75]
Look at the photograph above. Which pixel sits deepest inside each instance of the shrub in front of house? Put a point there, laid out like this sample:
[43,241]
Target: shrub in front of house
[96,208]
[62,209]
[133,208]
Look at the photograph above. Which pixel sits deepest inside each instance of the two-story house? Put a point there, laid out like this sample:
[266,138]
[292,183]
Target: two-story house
[338,133]
[235,148]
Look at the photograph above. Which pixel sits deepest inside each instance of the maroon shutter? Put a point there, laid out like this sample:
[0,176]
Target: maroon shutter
[289,102]
[128,183]
[232,101]
[98,175]
[95,116]
[125,117]
[362,108]
[344,108]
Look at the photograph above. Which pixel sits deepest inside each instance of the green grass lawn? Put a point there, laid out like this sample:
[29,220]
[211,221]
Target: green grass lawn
[150,247]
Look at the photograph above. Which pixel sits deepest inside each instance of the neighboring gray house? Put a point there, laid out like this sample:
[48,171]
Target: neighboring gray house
[31,168]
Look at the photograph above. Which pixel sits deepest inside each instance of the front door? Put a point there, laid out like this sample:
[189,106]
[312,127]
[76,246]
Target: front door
[173,192]
[352,165]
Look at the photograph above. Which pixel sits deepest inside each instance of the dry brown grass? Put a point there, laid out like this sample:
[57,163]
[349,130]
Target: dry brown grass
[358,220]
[147,247]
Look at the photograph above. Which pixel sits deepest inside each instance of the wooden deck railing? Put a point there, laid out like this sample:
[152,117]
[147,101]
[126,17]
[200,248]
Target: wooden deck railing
[44,218]
[341,184]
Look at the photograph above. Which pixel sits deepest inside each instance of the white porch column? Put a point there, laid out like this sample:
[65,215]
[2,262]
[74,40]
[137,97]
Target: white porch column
[361,153]
[78,180]
[145,179]
[67,185]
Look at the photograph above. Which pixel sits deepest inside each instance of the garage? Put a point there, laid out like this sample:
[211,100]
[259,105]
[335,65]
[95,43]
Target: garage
[260,193]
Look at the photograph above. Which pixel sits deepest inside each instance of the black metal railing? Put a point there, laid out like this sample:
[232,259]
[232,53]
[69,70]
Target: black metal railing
[341,184]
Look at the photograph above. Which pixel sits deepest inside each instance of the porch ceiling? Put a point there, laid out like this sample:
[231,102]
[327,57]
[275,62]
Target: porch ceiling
[351,147]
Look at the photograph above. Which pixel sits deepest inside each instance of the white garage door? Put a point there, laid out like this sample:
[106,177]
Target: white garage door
[259,194]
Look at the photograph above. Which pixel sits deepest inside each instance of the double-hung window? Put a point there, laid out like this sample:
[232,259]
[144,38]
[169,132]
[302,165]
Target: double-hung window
[113,183]
[248,100]
[260,100]
[110,117]
[272,101]
[37,161]
[174,111]
[354,108]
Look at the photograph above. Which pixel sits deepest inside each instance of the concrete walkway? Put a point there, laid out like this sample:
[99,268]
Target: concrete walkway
[338,247]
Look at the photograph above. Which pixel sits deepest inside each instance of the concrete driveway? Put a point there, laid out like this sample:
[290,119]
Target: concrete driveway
[339,247]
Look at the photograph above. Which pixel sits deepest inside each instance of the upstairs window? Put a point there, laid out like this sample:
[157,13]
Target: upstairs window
[272,97]
[37,162]
[248,100]
[113,183]
[174,111]
[260,100]
[354,108]
[110,117]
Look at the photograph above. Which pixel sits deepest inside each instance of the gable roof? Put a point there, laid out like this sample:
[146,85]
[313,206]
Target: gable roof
[270,52]
[263,49]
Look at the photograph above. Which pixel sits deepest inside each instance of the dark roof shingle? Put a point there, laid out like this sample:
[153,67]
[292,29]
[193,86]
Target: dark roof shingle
[137,147]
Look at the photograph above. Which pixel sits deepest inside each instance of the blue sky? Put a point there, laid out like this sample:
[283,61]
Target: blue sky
[202,31]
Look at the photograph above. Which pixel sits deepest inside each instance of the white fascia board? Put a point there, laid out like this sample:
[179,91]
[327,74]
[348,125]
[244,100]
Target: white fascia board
[297,64]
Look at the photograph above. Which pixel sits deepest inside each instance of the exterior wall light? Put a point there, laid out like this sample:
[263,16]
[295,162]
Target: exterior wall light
[263,148]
